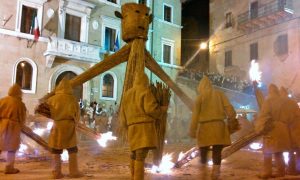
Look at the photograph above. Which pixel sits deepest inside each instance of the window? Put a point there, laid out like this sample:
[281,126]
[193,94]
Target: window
[25,73]
[167,54]
[27,10]
[110,36]
[110,39]
[74,17]
[167,51]
[27,20]
[167,13]
[142,1]
[228,20]
[228,58]
[282,44]
[108,86]
[112,1]
[72,27]
[253,51]
[254,9]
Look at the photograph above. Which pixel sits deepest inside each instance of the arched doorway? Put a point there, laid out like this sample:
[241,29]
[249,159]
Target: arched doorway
[77,91]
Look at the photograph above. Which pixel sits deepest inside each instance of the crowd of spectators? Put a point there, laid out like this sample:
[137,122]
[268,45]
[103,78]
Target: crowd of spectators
[228,82]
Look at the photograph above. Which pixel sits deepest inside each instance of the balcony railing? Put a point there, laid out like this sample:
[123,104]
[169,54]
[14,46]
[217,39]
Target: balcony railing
[73,50]
[274,10]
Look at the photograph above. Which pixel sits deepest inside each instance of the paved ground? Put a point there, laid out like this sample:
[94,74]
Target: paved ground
[112,163]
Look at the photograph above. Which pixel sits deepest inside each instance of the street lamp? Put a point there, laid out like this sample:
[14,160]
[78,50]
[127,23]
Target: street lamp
[203,45]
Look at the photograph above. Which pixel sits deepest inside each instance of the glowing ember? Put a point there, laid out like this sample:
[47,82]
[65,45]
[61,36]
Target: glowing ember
[106,137]
[256,146]
[255,74]
[180,156]
[22,149]
[286,157]
[65,156]
[39,131]
[165,166]
[49,126]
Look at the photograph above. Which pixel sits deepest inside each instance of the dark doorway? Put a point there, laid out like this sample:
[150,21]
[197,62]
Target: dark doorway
[77,91]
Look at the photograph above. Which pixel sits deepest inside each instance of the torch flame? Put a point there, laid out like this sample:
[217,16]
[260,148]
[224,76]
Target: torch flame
[65,156]
[106,137]
[180,156]
[165,166]
[39,131]
[49,126]
[255,74]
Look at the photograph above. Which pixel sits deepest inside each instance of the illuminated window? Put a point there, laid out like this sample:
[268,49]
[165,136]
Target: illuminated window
[25,74]
[108,86]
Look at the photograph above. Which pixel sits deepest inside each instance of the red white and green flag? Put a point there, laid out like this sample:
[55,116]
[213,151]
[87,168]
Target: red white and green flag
[36,29]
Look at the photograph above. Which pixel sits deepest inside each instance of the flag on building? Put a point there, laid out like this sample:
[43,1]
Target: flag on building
[34,29]
[116,45]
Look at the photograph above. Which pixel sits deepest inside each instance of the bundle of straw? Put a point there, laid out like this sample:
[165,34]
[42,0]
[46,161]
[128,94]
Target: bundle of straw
[43,109]
[162,94]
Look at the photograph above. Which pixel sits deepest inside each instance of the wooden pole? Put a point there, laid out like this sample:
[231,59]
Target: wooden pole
[28,132]
[108,63]
[153,66]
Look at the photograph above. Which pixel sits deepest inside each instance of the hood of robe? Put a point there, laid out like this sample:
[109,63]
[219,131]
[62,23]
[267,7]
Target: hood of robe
[205,85]
[15,91]
[64,87]
[141,80]
[283,92]
[273,91]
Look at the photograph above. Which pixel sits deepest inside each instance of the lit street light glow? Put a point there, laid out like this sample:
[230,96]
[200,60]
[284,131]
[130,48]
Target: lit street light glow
[203,45]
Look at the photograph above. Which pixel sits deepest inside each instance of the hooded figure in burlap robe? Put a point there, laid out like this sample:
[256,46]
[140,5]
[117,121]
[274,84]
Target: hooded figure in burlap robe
[273,121]
[65,113]
[139,112]
[292,113]
[12,118]
[210,110]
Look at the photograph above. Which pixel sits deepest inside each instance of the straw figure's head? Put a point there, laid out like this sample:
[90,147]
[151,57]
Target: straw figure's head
[135,21]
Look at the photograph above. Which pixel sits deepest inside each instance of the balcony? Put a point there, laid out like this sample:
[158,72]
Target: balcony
[67,49]
[266,15]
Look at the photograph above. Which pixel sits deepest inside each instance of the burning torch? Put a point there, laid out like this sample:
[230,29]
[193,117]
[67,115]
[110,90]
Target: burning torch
[255,76]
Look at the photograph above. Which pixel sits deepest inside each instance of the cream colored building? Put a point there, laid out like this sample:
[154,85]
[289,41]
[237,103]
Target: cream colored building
[75,35]
[265,30]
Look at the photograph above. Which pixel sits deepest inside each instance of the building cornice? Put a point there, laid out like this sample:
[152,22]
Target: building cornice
[21,35]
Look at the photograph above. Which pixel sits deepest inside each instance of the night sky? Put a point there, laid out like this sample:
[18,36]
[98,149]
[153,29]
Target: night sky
[195,19]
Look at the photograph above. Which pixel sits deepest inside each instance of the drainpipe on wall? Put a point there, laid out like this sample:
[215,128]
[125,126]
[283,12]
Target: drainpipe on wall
[152,39]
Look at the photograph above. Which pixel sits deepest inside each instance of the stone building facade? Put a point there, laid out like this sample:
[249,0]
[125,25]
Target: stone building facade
[263,30]
[75,35]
